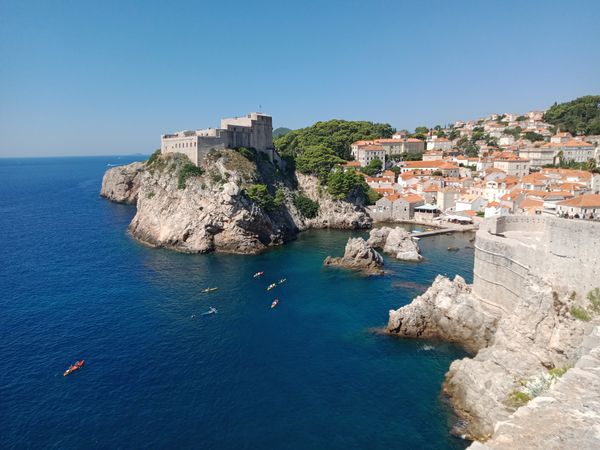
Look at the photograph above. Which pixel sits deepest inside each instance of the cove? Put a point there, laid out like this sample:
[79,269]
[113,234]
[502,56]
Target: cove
[307,374]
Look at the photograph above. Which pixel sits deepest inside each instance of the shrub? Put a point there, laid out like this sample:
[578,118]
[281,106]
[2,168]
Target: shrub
[558,372]
[260,195]
[580,313]
[150,195]
[372,196]
[518,398]
[317,160]
[216,177]
[307,207]
[188,170]
[153,158]
[594,298]
[249,154]
[279,199]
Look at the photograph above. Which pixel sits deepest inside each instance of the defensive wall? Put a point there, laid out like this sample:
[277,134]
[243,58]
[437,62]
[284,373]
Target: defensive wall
[511,250]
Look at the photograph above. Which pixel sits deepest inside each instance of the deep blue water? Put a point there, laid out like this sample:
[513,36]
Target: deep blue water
[309,374]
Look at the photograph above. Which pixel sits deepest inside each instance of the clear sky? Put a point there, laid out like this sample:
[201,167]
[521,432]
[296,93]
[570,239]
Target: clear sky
[108,77]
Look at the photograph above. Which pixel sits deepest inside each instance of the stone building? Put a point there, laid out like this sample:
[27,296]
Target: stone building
[252,131]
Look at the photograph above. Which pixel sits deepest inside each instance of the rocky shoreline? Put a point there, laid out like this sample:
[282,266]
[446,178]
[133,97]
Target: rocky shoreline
[522,321]
[210,211]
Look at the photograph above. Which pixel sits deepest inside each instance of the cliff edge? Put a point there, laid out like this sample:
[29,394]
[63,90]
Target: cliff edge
[526,318]
[230,203]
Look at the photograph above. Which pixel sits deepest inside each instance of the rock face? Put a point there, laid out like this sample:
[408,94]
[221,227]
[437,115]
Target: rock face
[332,213]
[567,416]
[396,242]
[517,320]
[446,311]
[211,212]
[121,184]
[358,255]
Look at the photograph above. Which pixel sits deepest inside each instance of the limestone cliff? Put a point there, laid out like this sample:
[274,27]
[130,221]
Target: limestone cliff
[121,184]
[521,318]
[358,255]
[208,209]
[396,242]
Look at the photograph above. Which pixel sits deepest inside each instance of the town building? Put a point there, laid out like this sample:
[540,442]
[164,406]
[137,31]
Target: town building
[586,206]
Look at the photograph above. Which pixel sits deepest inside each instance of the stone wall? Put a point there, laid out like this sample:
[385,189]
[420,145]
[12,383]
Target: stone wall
[511,249]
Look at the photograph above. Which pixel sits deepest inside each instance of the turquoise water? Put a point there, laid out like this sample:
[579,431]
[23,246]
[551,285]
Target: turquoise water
[309,374]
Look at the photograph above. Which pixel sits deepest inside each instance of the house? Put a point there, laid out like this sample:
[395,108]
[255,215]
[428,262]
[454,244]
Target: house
[446,168]
[446,198]
[586,206]
[396,207]
[511,164]
[530,207]
[495,209]
[438,143]
[469,202]
[367,153]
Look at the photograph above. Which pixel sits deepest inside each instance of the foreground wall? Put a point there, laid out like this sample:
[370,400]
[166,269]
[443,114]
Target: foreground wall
[510,250]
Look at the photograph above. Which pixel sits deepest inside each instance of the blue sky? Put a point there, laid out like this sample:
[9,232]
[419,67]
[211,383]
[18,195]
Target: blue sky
[104,77]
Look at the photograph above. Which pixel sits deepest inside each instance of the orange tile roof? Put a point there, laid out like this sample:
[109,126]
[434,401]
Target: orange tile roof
[583,201]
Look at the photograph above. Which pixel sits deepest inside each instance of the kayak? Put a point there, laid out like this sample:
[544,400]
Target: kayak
[210,311]
[275,303]
[209,289]
[283,280]
[73,367]
[271,286]
[258,274]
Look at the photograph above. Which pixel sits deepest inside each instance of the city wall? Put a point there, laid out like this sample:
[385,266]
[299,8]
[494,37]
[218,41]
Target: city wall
[511,251]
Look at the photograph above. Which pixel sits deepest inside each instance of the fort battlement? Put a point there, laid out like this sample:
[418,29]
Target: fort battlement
[510,251]
[254,130]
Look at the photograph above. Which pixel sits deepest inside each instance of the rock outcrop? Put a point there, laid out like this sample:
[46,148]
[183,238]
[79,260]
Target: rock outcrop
[396,242]
[121,184]
[358,255]
[518,321]
[205,210]
[445,311]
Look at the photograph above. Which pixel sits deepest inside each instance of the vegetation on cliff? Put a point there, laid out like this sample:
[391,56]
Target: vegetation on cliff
[580,116]
[281,131]
[307,207]
[335,135]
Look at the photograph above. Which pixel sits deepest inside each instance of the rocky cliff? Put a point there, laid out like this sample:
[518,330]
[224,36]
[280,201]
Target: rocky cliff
[524,324]
[207,209]
[358,255]
[396,242]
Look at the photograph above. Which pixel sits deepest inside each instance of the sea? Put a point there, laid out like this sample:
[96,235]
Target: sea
[312,373]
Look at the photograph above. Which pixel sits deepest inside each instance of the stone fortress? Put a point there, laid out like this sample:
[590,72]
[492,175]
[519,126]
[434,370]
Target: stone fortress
[252,131]
[511,249]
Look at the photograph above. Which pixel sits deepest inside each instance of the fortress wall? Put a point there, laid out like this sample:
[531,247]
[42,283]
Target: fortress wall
[564,253]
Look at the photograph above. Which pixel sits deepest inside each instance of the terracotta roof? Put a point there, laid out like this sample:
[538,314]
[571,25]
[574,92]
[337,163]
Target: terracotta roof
[531,203]
[413,198]
[351,164]
[583,201]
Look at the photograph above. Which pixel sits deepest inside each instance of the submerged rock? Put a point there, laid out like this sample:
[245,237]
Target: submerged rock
[358,255]
[396,242]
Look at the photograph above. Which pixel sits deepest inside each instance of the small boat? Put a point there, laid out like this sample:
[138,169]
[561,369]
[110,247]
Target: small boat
[258,274]
[73,367]
[453,249]
[283,280]
[415,238]
[271,286]
[209,289]
[275,303]
[210,311]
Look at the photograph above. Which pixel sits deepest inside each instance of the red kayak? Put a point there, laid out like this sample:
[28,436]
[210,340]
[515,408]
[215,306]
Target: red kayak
[78,365]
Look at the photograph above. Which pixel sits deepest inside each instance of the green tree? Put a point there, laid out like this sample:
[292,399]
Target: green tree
[374,166]
[580,116]
[281,131]
[533,136]
[317,160]
[421,130]
[307,207]
[335,135]
[343,185]
[260,195]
